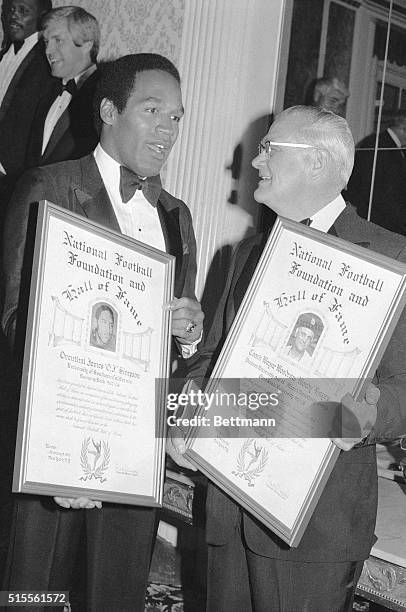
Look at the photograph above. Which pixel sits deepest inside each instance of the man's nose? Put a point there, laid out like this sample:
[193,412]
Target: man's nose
[166,125]
[258,160]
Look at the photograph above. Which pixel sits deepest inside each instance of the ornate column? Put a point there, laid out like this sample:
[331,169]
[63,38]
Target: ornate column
[228,66]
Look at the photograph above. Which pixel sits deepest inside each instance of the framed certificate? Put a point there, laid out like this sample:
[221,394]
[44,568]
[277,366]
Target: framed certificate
[96,364]
[312,327]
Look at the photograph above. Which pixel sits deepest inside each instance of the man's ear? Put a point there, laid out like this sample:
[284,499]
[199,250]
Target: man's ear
[318,164]
[87,46]
[108,111]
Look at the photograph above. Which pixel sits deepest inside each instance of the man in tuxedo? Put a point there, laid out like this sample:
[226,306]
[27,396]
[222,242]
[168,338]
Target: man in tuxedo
[389,182]
[24,78]
[118,185]
[63,126]
[304,162]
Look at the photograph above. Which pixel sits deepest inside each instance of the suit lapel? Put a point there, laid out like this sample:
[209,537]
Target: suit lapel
[37,48]
[62,126]
[91,195]
[351,220]
[66,121]
[169,218]
[243,280]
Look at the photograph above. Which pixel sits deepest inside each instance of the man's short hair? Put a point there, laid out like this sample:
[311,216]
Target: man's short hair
[118,78]
[81,24]
[327,132]
[101,309]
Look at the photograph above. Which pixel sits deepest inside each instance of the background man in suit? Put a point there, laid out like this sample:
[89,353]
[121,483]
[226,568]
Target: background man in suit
[118,185]
[304,162]
[24,78]
[389,195]
[63,126]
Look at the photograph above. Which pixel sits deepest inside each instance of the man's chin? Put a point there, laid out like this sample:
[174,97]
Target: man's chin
[261,198]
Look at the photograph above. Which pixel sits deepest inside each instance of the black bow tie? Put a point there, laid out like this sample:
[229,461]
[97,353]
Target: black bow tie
[17,44]
[306,221]
[130,182]
[70,87]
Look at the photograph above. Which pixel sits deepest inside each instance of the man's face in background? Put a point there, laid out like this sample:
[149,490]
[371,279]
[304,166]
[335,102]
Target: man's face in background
[66,59]
[22,19]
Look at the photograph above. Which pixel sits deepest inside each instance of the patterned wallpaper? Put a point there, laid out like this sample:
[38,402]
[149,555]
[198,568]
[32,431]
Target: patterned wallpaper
[133,26]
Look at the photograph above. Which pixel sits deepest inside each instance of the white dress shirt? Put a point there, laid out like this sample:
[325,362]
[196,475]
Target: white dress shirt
[60,105]
[137,218]
[324,218]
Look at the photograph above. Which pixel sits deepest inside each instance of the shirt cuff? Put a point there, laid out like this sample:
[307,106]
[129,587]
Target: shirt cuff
[188,350]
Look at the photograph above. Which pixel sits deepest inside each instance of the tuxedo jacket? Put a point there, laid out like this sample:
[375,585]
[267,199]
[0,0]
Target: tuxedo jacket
[73,136]
[117,535]
[343,522]
[389,199]
[31,81]
[77,186]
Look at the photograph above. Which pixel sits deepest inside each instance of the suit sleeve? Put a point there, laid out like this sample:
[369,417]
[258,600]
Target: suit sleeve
[18,235]
[201,364]
[189,253]
[391,381]
[359,184]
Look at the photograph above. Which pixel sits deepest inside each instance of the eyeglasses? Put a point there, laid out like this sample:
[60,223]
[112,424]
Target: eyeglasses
[266,147]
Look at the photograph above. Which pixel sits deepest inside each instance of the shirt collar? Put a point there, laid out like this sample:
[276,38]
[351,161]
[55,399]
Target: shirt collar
[32,39]
[82,76]
[110,170]
[324,218]
[29,43]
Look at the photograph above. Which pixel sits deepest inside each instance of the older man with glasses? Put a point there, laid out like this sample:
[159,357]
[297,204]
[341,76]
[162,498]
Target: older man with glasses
[304,162]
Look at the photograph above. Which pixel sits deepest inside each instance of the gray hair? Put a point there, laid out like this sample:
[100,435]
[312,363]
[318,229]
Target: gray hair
[81,24]
[328,133]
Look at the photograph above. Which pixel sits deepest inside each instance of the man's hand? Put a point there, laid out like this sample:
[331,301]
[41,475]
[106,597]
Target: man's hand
[175,447]
[357,418]
[77,503]
[187,319]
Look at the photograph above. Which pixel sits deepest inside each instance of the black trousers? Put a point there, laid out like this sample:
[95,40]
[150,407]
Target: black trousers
[241,581]
[101,556]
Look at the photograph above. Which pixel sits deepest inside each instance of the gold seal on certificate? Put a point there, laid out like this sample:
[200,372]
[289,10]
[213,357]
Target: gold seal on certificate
[96,364]
[312,327]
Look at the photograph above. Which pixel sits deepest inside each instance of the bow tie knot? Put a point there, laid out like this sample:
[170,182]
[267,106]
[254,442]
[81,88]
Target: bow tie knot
[130,182]
[17,44]
[70,86]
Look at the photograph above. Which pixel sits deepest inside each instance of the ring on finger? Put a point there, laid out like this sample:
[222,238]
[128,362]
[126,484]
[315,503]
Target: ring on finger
[191,327]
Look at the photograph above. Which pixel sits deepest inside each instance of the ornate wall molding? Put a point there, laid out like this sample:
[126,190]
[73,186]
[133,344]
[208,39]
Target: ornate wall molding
[134,26]
[228,65]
